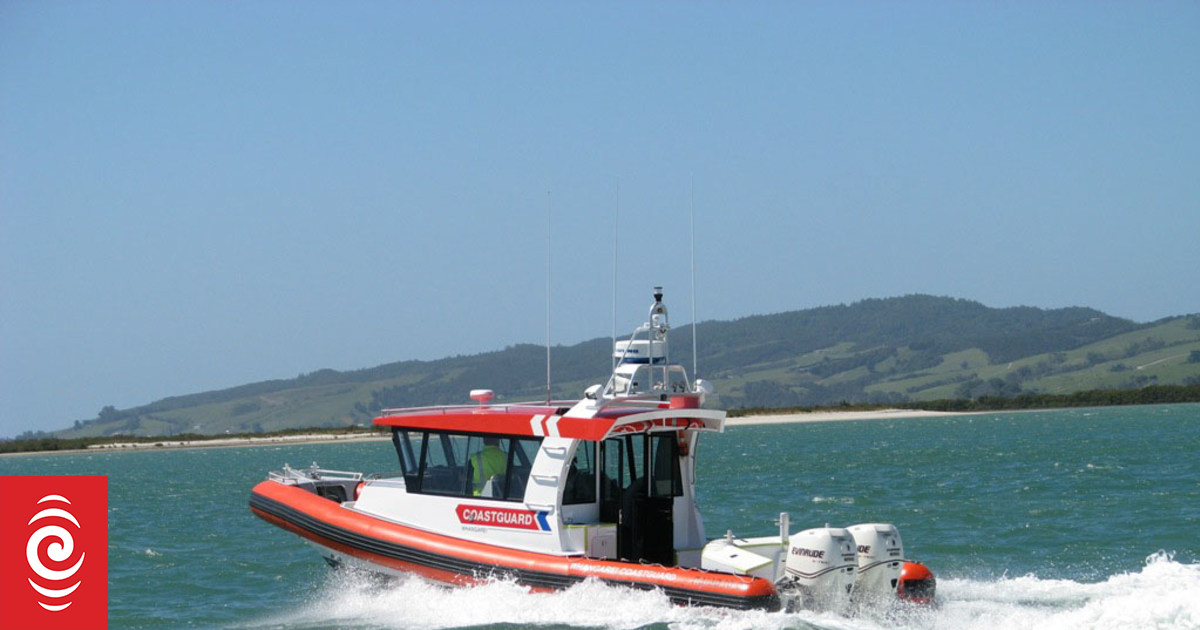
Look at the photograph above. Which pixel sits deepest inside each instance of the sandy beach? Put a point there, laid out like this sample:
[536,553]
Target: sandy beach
[835,416]
[300,438]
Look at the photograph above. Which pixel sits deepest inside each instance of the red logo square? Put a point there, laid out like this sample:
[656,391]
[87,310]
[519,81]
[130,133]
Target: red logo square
[53,553]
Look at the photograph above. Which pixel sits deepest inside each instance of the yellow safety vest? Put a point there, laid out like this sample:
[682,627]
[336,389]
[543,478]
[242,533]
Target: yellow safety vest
[489,462]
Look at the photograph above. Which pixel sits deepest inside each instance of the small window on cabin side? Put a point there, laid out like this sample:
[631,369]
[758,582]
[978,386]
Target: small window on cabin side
[612,463]
[665,480]
[581,477]
[523,452]
[636,462]
[408,448]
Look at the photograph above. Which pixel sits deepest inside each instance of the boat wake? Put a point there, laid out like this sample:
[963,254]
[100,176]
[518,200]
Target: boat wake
[1162,594]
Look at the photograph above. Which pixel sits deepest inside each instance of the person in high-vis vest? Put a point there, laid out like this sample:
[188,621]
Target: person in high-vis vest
[488,463]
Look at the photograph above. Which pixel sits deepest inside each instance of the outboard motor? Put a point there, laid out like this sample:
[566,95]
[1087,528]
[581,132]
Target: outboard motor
[820,568]
[880,560]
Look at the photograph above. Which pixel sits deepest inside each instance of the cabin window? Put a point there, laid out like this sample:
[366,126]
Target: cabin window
[485,467]
[581,478]
[408,449]
[444,468]
[524,451]
[645,464]
[635,462]
[612,459]
[467,465]
[665,480]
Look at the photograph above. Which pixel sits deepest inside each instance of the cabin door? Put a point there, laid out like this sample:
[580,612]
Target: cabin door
[639,484]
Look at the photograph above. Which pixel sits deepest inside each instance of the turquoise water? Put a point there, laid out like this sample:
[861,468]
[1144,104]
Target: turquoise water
[1085,518]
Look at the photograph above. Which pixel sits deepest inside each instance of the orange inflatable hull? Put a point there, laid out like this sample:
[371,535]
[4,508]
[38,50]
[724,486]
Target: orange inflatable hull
[461,562]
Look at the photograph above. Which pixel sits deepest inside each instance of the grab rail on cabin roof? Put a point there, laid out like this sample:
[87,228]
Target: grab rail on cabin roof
[640,401]
[635,402]
[507,408]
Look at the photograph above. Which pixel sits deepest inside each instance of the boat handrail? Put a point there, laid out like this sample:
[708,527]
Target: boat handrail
[314,473]
[639,400]
[326,473]
[634,401]
[455,409]
[387,474]
[643,400]
[629,408]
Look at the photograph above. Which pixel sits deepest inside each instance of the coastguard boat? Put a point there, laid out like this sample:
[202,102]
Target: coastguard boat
[551,494]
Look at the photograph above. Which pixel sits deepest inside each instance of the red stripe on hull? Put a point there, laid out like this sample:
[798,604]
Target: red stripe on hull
[437,575]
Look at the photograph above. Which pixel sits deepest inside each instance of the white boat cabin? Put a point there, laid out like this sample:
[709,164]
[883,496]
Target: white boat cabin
[610,476]
[601,482]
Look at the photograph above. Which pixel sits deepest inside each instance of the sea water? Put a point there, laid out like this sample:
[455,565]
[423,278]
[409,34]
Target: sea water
[1076,519]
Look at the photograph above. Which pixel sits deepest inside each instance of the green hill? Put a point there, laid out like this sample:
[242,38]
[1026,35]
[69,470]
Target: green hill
[893,350]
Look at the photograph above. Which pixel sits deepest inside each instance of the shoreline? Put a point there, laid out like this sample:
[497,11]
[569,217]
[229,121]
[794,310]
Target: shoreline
[129,447]
[300,438]
[802,417]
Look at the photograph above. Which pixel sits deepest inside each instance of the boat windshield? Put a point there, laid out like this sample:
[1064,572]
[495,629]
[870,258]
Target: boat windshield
[467,465]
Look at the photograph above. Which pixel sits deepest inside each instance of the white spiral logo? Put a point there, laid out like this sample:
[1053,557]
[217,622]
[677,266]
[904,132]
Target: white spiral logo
[59,551]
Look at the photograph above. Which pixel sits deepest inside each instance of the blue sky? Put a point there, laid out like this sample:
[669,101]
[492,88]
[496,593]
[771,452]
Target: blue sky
[200,195]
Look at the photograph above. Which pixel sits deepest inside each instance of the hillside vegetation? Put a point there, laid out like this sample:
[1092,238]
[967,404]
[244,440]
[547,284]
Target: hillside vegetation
[880,351]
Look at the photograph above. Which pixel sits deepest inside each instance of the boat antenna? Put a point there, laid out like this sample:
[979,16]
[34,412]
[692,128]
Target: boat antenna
[548,247]
[692,204]
[616,236]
